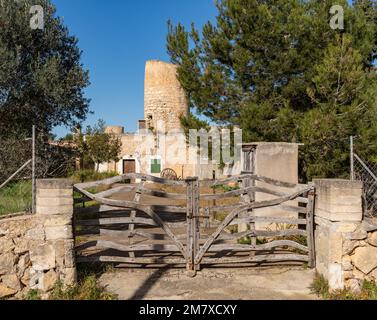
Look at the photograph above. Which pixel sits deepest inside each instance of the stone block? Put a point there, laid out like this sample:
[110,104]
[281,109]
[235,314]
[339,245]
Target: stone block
[35,234]
[7,263]
[22,245]
[335,276]
[54,184]
[6,292]
[365,259]
[372,239]
[48,280]
[23,264]
[53,202]
[69,254]
[58,220]
[339,200]
[59,232]
[70,276]
[46,210]
[6,245]
[373,274]
[354,285]
[43,257]
[11,281]
[54,193]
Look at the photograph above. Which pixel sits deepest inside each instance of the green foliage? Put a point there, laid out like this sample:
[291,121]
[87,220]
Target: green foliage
[87,289]
[281,73]
[42,80]
[98,145]
[90,175]
[32,294]
[16,198]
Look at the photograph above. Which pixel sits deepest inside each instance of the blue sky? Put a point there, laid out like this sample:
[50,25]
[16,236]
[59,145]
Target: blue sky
[117,38]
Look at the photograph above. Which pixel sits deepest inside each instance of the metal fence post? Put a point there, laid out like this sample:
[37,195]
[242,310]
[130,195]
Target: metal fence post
[33,181]
[352,159]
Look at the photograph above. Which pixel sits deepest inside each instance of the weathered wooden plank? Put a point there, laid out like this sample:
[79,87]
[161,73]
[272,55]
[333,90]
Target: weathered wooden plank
[292,221]
[270,258]
[211,183]
[113,191]
[115,220]
[131,227]
[262,233]
[137,260]
[277,207]
[261,247]
[123,234]
[137,247]
[161,194]
[310,230]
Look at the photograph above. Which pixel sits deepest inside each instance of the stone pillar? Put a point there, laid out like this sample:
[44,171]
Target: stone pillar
[54,258]
[338,216]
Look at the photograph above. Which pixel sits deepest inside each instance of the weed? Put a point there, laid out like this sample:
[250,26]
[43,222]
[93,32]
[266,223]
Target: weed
[320,287]
[32,294]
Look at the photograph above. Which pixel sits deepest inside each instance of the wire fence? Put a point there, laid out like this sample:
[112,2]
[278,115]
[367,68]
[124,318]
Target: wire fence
[365,172]
[22,161]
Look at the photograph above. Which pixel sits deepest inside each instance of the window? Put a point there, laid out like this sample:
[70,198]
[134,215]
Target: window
[155,165]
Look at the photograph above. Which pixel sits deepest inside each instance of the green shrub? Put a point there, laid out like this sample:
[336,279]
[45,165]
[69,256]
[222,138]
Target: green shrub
[91,175]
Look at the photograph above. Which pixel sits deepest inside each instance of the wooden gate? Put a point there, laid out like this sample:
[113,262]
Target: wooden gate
[243,219]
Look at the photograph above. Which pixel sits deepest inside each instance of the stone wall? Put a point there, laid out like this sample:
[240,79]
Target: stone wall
[38,250]
[346,244]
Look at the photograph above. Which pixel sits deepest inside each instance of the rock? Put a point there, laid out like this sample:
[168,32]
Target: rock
[349,246]
[59,220]
[365,259]
[25,280]
[70,276]
[22,245]
[373,274]
[6,292]
[69,253]
[7,263]
[354,286]
[59,232]
[3,232]
[347,263]
[11,281]
[358,235]
[43,257]
[372,239]
[23,264]
[35,234]
[35,280]
[6,245]
[48,280]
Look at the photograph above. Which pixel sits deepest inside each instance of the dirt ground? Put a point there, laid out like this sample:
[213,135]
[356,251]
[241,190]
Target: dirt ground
[277,283]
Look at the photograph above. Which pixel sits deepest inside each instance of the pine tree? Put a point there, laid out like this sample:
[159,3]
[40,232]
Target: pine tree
[278,70]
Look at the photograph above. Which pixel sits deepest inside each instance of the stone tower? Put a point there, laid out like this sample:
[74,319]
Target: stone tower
[164,98]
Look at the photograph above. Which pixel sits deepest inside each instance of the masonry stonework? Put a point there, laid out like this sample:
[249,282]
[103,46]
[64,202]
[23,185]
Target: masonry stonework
[37,250]
[346,246]
[164,98]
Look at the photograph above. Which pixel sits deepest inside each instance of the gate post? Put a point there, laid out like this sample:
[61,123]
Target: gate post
[192,218]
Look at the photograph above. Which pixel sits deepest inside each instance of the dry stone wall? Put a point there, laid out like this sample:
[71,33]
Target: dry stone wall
[38,250]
